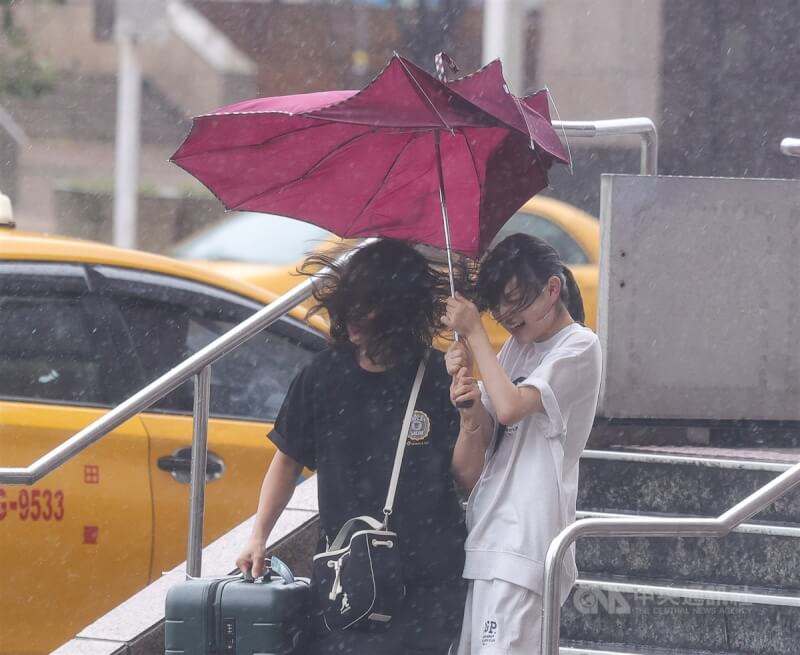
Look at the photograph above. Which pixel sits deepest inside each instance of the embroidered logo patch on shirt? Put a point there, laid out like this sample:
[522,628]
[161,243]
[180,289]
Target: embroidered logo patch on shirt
[419,430]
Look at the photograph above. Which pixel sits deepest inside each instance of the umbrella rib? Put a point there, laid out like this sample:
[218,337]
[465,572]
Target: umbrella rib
[477,176]
[383,181]
[424,95]
[313,167]
[261,144]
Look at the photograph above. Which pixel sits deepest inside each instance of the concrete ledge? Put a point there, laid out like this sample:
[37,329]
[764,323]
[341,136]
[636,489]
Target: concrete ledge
[136,627]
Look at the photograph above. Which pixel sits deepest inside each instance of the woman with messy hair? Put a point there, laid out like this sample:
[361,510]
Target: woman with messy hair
[342,417]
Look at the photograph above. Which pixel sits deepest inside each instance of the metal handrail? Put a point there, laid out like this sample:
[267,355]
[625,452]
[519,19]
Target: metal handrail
[646,527]
[790,147]
[687,460]
[198,366]
[644,127]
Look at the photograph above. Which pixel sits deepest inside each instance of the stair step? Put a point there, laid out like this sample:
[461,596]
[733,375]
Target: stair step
[660,613]
[647,483]
[747,595]
[591,648]
[762,554]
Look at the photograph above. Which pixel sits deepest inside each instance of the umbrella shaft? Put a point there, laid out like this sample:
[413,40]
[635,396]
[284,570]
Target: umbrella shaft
[443,202]
[445,221]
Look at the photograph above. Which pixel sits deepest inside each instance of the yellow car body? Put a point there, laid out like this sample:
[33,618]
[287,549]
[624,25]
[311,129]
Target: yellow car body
[109,521]
[573,232]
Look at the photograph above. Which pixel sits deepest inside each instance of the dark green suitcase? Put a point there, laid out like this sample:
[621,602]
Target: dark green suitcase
[235,616]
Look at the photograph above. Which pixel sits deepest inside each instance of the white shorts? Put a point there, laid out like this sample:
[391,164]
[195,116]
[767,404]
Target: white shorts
[501,618]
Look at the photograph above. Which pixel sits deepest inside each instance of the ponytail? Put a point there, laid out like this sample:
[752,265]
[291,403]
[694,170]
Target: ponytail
[573,300]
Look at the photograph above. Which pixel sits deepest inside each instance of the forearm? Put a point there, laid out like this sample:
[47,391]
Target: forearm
[475,434]
[276,490]
[511,403]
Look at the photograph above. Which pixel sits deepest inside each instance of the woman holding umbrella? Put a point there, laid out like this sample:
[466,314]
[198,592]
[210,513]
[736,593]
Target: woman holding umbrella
[522,437]
[341,417]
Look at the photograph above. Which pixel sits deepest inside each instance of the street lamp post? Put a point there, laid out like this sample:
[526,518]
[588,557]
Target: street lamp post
[126,156]
[135,21]
[504,25]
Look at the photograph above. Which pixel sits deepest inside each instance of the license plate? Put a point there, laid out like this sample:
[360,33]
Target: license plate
[32,504]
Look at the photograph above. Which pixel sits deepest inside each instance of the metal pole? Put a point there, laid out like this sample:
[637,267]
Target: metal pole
[197,498]
[126,169]
[643,127]
[790,147]
[443,203]
[504,24]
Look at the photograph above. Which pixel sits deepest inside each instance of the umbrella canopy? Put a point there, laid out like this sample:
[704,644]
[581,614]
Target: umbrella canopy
[366,163]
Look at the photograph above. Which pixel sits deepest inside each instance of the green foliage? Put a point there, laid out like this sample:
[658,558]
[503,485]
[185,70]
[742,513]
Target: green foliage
[24,76]
[21,73]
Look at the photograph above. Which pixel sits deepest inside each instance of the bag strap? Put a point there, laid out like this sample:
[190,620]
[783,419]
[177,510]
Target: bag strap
[401,442]
[349,526]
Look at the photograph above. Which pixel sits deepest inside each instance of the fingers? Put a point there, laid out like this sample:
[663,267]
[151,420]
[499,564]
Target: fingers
[258,566]
[456,358]
[244,563]
[464,387]
[467,398]
[461,315]
[251,562]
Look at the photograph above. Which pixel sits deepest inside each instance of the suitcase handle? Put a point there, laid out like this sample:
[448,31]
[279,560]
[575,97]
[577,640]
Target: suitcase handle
[276,566]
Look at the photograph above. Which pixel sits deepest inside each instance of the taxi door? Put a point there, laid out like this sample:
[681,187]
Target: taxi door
[78,542]
[247,388]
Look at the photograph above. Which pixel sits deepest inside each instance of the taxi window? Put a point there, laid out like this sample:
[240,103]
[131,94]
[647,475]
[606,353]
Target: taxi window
[167,327]
[51,344]
[256,238]
[567,247]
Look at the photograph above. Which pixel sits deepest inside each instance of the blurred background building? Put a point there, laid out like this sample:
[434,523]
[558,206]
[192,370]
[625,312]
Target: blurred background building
[718,77]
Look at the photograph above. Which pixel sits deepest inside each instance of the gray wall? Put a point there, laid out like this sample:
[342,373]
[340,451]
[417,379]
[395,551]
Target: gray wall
[699,315]
[730,88]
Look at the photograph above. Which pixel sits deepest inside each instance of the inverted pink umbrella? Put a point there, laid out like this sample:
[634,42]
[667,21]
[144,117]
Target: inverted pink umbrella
[395,159]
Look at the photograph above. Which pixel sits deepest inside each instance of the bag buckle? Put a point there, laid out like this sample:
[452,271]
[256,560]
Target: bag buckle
[336,587]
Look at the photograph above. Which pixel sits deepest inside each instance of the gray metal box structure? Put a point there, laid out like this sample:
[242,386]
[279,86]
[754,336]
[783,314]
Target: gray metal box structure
[699,307]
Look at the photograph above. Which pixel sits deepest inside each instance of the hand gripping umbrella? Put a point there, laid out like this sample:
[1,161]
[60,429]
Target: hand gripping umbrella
[402,158]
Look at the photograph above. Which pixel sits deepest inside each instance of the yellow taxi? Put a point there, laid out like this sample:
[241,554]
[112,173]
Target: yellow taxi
[267,249]
[83,327]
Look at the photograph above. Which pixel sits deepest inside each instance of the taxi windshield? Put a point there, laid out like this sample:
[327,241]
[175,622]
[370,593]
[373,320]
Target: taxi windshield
[254,238]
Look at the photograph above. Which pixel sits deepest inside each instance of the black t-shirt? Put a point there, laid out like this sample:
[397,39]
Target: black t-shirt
[344,422]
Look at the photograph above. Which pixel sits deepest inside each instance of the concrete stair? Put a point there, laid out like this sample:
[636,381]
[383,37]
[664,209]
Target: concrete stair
[653,596]
[584,648]
[772,556]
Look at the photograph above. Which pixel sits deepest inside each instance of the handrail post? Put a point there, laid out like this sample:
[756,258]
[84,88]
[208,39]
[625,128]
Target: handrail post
[197,498]
[551,594]
[644,127]
[790,147]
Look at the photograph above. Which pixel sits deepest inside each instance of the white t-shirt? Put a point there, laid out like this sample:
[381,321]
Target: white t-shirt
[529,485]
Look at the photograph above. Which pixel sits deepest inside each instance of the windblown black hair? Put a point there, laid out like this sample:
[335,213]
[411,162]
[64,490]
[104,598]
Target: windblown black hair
[390,290]
[532,261]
